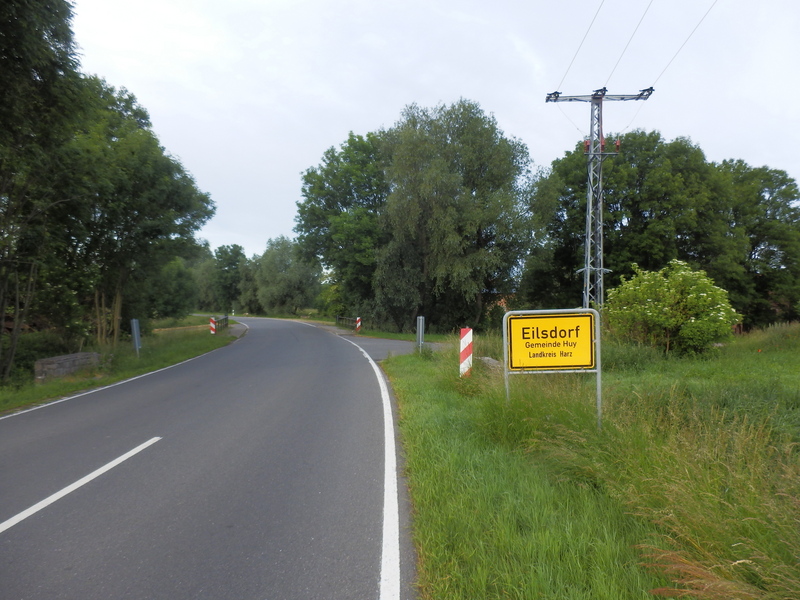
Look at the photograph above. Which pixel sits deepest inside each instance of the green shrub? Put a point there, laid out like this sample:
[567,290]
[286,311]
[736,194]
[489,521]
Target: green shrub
[675,309]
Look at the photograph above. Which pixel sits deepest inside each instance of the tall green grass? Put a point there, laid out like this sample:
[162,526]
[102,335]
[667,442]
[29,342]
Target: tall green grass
[692,484]
[488,521]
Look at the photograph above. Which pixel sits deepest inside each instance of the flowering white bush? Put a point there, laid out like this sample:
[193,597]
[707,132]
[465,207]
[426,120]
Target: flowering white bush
[676,309]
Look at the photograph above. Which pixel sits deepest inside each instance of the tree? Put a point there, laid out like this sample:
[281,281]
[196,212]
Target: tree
[133,207]
[248,287]
[338,218]
[675,309]
[37,104]
[172,292]
[227,261]
[37,51]
[398,282]
[654,193]
[766,211]
[455,216]
[330,301]
[286,282]
[550,277]
[202,268]
[126,209]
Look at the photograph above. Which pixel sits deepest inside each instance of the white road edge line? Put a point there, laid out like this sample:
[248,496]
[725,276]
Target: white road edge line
[390,555]
[71,488]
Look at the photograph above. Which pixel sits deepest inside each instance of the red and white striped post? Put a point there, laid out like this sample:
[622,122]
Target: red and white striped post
[212,325]
[466,352]
[358,324]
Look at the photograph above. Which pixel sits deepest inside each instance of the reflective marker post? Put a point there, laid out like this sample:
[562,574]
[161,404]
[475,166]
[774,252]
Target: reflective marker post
[553,341]
[465,354]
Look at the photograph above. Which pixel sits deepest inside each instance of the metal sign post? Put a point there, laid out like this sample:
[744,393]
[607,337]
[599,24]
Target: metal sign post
[420,333]
[553,341]
[136,335]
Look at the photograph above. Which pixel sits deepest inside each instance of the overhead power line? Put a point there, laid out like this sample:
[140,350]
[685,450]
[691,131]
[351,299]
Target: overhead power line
[638,110]
[556,95]
[585,35]
[629,42]
[685,42]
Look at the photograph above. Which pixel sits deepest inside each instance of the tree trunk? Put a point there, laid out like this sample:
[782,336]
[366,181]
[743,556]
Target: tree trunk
[478,310]
[22,302]
[100,317]
[116,315]
[4,277]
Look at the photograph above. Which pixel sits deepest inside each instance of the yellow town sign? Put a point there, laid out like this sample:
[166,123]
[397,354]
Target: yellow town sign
[551,341]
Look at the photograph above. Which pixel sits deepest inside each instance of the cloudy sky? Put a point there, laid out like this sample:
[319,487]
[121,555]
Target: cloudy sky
[250,93]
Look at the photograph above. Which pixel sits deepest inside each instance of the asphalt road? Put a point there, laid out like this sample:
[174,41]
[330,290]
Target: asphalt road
[257,471]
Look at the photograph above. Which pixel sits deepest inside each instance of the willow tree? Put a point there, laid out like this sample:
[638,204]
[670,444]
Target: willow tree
[455,217]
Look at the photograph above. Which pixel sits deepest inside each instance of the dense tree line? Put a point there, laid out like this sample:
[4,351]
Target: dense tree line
[96,216]
[441,216]
[664,201]
[278,282]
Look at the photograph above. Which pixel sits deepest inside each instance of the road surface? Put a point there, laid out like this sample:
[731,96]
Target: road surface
[258,471]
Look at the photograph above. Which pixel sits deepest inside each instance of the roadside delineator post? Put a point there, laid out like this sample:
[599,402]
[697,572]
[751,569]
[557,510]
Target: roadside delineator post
[466,352]
[212,325]
[136,335]
[358,324]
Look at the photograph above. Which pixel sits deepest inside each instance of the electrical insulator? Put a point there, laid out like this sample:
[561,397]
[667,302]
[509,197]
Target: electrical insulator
[602,144]
[586,146]
[617,144]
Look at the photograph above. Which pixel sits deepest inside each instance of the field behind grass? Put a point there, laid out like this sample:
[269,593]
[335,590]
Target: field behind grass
[690,489]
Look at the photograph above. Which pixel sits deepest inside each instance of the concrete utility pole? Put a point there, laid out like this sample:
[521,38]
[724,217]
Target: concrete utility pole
[593,292]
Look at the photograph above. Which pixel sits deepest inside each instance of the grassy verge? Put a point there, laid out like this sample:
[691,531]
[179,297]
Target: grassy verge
[691,488]
[159,350]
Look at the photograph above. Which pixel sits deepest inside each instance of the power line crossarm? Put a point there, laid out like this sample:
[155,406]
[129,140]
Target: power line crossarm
[601,93]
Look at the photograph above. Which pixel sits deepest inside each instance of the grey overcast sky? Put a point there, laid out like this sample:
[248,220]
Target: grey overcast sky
[250,93]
